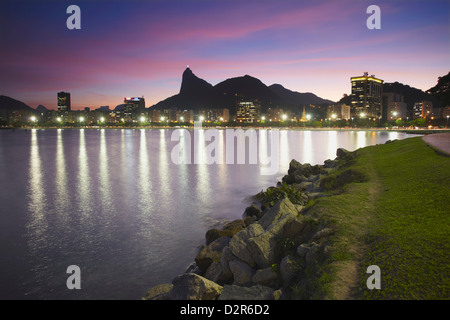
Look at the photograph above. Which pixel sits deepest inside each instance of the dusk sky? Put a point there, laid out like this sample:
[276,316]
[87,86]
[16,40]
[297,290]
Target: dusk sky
[141,48]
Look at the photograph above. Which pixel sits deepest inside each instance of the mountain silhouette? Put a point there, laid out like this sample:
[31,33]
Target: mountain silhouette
[10,104]
[196,93]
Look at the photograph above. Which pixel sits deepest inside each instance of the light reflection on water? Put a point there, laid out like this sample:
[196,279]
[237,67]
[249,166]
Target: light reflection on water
[114,203]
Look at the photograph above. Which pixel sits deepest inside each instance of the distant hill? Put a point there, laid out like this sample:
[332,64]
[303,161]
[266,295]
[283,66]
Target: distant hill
[295,98]
[40,108]
[441,91]
[411,95]
[10,104]
[196,93]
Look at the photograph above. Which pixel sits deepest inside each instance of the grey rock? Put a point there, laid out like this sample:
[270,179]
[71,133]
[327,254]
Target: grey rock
[239,243]
[253,210]
[242,272]
[323,233]
[282,212]
[159,292]
[211,253]
[266,277]
[262,249]
[193,268]
[289,268]
[190,286]
[215,273]
[225,259]
[312,254]
[228,230]
[302,250]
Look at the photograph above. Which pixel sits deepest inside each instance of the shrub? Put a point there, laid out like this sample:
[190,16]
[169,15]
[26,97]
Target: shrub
[273,194]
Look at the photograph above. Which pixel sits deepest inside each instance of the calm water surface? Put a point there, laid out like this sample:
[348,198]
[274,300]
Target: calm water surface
[114,203]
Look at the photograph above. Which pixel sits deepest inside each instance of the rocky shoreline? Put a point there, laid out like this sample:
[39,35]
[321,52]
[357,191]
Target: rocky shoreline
[277,251]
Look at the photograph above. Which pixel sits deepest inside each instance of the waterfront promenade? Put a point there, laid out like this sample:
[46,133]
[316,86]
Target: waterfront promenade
[440,141]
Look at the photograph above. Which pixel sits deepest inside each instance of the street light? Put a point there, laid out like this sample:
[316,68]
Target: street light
[394,113]
[308,117]
[363,115]
[102,119]
[33,118]
[447,120]
[284,117]
[263,118]
[142,119]
[202,118]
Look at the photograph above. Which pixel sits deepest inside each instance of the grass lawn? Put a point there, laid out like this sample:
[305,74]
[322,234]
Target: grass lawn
[399,220]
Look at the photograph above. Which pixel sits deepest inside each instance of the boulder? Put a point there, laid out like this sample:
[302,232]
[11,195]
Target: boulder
[309,252]
[317,169]
[262,249]
[294,165]
[259,249]
[213,234]
[321,234]
[239,243]
[249,220]
[278,215]
[215,273]
[190,286]
[193,268]
[328,164]
[228,230]
[289,268]
[257,292]
[312,255]
[227,256]
[242,272]
[297,229]
[266,277]
[343,154]
[304,186]
[253,210]
[302,250]
[295,177]
[211,253]
[159,292]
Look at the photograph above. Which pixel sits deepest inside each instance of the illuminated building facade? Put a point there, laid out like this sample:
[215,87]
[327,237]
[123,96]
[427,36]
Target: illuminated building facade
[248,111]
[366,96]
[338,112]
[133,109]
[63,101]
[422,109]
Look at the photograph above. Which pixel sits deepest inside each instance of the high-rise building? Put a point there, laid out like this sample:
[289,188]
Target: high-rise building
[63,101]
[248,111]
[134,108]
[366,96]
[338,112]
[185,115]
[422,109]
[394,106]
[214,115]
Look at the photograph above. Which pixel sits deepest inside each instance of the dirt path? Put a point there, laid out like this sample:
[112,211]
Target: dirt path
[348,283]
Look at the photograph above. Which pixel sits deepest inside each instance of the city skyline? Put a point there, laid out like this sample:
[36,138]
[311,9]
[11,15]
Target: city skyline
[141,48]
